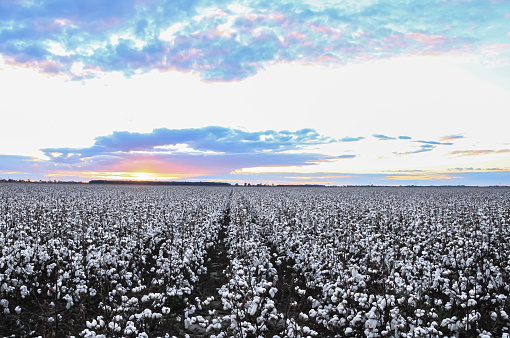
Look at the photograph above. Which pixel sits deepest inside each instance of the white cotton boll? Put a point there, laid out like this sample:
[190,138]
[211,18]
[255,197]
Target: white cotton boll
[494,316]
[504,315]
[7,311]
[253,309]
[18,309]
[273,292]
[165,310]
[4,302]
[419,313]
[114,326]
[147,313]
[371,323]
[24,291]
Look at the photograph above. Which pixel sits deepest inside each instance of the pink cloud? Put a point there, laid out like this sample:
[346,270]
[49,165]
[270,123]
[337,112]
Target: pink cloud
[450,137]
[394,40]
[328,31]
[478,152]
[46,67]
[296,35]
[422,177]
[426,39]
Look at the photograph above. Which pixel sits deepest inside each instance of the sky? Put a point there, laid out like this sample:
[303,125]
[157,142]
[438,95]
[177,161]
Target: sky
[279,92]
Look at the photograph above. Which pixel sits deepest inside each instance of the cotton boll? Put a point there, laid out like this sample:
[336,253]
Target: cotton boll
[303,316]
[253,309]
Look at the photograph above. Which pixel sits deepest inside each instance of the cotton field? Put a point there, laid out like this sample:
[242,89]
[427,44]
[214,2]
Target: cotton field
[89,260]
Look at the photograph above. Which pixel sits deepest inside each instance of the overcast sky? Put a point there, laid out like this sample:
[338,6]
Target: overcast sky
[328,92]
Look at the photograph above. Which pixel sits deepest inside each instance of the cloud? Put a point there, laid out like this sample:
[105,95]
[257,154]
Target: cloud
[16,163]
[383,137]
[422,177]
[478,152]
[423,148]
[207,139]
[318,177]
[351,139]
[476,169]
[185,152]
[426,146]
[435,143]
[451,137]
[231,40]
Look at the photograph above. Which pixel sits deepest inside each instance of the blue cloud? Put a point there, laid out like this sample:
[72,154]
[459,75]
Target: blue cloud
[226,45]
[404,137]
[351,139]
[435,143]
[17,163]
[423,148]
[207,139]
[451,137]
[383,137]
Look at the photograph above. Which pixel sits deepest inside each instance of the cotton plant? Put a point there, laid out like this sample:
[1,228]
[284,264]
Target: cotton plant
[424,262]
